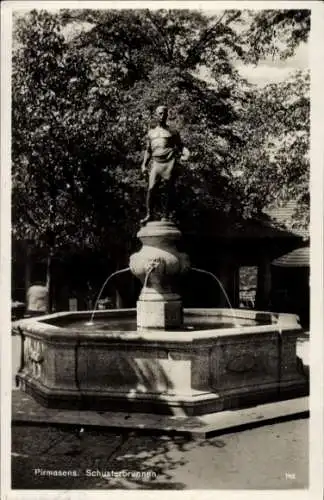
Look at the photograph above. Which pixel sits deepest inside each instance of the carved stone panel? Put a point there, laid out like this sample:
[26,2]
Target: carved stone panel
[242,364]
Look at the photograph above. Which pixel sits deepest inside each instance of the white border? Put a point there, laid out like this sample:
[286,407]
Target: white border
[317,187]
[317,236]
[5,246]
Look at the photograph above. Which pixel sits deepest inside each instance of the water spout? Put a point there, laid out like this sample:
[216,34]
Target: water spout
[101,290]
[221,287]
[153,266]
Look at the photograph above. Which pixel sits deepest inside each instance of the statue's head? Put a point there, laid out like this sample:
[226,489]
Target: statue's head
[161,114]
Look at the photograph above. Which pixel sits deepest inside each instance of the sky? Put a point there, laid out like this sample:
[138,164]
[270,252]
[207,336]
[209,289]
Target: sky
[273,71]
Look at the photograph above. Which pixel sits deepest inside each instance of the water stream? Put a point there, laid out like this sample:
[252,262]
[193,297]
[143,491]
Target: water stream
[221,287]
[90,322]
[102,289]
[147,275]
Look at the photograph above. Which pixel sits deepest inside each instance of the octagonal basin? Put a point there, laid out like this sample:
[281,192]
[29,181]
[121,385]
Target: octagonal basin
[219,359]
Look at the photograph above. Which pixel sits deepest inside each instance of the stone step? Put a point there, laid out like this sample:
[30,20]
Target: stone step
[27,411]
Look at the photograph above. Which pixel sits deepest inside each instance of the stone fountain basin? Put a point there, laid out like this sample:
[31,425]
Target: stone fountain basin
[207,366]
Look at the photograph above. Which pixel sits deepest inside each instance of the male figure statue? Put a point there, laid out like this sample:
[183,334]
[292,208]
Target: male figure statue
[164,149]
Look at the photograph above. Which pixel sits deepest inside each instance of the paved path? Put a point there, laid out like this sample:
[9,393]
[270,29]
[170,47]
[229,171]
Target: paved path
[269,457]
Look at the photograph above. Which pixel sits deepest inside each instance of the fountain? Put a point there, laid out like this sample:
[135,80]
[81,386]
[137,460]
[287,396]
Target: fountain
[160,358]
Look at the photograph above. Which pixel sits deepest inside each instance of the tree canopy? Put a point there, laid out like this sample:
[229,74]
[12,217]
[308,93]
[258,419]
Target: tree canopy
[81,106]
[276,33]
[274,161]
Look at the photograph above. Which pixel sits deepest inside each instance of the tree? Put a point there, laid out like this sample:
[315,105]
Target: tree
[154,57]
[48,87]
[274,162]
[81,108]
[110,78]
[278,119]
[276,33]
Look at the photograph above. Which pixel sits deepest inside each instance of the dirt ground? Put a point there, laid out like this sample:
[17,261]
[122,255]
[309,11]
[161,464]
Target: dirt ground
[269,457]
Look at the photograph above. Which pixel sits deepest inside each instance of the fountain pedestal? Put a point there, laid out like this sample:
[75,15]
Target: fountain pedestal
[158,264]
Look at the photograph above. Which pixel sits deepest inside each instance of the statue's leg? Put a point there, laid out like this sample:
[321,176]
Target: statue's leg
[170,197]
[150,195]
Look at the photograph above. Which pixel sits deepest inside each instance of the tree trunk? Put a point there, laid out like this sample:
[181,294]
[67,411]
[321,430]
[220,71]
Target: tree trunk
[51,246]
[28,269]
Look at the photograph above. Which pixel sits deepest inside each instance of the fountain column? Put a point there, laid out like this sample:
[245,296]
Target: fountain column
[158,265]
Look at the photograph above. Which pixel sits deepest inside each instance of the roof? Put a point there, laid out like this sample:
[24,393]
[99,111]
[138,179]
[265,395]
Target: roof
[284,215]
[296,258]
[231,226]
[257,228]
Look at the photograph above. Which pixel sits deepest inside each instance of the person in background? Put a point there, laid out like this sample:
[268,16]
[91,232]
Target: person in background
[37,300]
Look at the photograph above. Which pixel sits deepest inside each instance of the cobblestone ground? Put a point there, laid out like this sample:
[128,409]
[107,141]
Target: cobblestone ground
[269,457]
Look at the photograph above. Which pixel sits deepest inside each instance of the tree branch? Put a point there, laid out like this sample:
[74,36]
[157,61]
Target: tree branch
[162,36]
[196,49]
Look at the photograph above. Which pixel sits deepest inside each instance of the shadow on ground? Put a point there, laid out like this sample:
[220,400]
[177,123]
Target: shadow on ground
[257,458]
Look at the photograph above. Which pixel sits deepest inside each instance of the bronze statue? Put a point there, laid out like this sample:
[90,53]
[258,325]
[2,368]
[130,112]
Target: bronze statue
[164,149]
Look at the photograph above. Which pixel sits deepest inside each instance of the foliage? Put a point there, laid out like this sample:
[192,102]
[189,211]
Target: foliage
[276,33]
[77,149]
[274,162]
[45,187]
[82,105]
[62,148]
